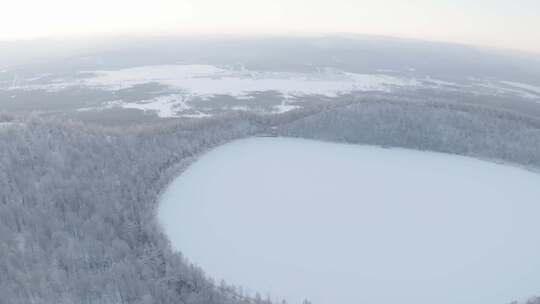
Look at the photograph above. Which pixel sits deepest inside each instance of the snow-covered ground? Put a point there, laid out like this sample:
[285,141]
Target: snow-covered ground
[183,85]
[165,106]
[201,82]
[207,80]
[339,223]
[507,87]
[532,88]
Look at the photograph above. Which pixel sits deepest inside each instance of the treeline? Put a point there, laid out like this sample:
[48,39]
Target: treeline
[78,203]
[468,130]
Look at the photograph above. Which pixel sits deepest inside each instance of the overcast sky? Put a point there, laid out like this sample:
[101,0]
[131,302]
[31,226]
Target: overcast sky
[513,24]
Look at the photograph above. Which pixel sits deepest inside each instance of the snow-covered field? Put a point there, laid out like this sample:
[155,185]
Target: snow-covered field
[186,83]
[208,80]
[341,223]
[184,86]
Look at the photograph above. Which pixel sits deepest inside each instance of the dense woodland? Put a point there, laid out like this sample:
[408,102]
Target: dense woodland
[78,202]
[469,130]
[77,209]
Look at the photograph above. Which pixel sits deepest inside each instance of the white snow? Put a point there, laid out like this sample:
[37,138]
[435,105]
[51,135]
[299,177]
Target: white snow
[54,86]
[107,105]
[343,224]
[206,81]
[503,88]
[284,107]
[525,86]
[240,108]
[164,106]
[6,125]
[440,82]
[191,82]
[388,71]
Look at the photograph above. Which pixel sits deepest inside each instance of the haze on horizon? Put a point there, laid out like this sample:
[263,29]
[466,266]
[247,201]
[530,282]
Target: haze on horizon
[494,23]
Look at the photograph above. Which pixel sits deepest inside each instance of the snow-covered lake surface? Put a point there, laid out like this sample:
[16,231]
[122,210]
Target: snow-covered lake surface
[339,223]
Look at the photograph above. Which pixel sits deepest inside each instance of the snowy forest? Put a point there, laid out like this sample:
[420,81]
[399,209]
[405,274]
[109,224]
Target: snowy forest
[78,201]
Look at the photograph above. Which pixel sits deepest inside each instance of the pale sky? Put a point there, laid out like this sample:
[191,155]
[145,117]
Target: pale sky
[512,24]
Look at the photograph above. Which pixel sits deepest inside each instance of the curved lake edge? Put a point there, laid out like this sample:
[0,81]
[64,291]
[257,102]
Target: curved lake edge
[185,166]
[178,169]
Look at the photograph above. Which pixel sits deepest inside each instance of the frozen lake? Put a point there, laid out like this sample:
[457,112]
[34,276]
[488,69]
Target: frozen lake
[342,224]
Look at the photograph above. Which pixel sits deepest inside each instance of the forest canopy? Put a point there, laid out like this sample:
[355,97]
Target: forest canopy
[78,201]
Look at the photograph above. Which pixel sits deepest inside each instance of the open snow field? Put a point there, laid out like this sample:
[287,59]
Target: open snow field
[201,90]
[339,223]
[207,80]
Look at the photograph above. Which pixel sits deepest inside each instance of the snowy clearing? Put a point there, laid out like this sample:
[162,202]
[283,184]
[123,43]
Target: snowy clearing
[206,80]
[201,82]
[339,223]
[165,106]
[178,90]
